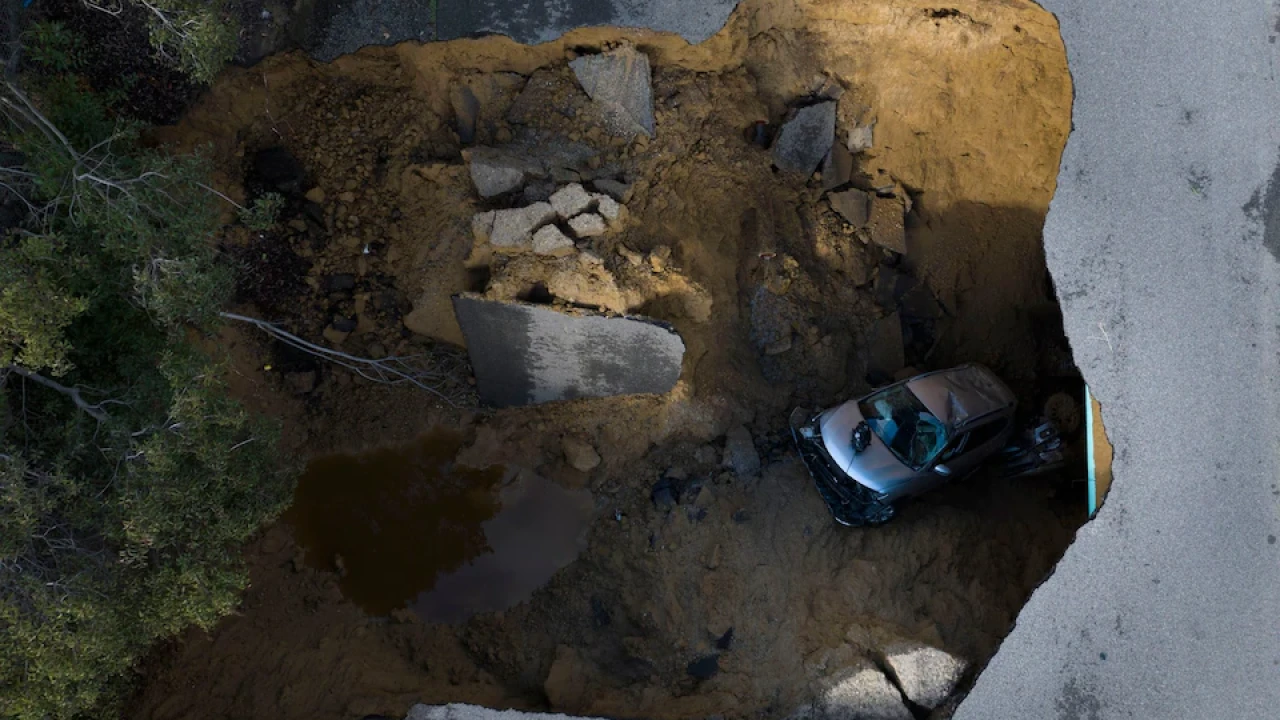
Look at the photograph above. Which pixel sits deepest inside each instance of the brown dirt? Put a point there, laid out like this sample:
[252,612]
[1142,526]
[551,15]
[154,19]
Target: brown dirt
[971,112]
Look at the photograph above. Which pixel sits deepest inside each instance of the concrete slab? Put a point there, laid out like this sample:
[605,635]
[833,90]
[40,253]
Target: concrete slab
[805,139]
[1163,239]
[526,354]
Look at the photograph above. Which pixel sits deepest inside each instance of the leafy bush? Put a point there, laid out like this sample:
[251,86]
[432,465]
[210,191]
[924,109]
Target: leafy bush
[128,478]
[197,36]
[263,212]
[53,48]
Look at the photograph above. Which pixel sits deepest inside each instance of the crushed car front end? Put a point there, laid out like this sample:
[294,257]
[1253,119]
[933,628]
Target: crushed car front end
[850,502]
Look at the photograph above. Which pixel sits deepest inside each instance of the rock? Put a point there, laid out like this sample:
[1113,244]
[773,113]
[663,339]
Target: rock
[513,229]
[725,642]
[837,169]
[492,177]
[301,383]
[664,494]
[619,82]
[864,693]
[335,336]
[826,87]
[861,138]
[344,324]
[347,197]
[887,355]
[315,195]
[550,241]
[853,205]
[482,226]
[631,256]
[566,684]
[466,111]
[609,209]
[805,139]
[886,225]
[926,675]
[892,286]
[740,452]
[659,258]
[588,225]
[571,200]
[615,189]
[341,282]
[579,454]
[704,668]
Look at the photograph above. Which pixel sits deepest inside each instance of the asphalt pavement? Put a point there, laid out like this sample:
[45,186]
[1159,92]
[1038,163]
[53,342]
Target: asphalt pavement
[1163,240]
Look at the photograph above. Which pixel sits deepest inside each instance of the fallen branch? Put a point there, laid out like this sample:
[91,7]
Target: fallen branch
[444,384]
[94,411]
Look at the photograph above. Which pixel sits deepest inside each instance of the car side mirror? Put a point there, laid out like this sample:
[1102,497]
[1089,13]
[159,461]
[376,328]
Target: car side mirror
[942,470]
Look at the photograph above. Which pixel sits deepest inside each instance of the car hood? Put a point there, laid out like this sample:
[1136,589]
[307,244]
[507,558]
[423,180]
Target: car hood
[876,467]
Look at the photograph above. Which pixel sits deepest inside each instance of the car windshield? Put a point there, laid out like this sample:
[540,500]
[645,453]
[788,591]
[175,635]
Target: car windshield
[915,435]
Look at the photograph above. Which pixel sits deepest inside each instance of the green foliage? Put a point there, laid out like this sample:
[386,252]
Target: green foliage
[263,212]
[199,36]
[53,48]
[128,477]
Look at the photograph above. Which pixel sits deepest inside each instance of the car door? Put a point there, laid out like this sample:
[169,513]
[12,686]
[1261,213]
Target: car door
[981,440]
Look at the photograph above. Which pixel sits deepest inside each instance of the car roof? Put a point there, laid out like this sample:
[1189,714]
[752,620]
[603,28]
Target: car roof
[961,394]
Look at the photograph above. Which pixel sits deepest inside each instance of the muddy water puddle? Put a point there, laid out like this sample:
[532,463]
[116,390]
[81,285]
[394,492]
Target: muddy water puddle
[408,527]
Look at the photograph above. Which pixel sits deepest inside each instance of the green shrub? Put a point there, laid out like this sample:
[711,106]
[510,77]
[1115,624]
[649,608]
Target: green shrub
[128,477]
[263,212]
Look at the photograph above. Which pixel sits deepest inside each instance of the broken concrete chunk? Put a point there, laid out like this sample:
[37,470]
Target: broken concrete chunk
[805,139]
[886,224]
[864,694]
[861,138]
[579,454]
[482,226]
[615,189]
[609,209]
[513,229]
[588,225]
[926,675]
[493,178]
[619,81]
[335,336]
[740,452]
[630,255]
[853,205]
[550,241]
[571,200]
[528,354]
[837,168]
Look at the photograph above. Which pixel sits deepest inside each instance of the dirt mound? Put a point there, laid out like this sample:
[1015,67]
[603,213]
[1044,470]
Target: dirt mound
[959,116]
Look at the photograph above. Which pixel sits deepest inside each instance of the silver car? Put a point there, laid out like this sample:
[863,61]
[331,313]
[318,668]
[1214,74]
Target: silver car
[903,440]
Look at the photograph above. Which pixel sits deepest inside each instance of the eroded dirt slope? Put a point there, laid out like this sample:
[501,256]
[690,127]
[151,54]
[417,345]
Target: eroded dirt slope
[969,106]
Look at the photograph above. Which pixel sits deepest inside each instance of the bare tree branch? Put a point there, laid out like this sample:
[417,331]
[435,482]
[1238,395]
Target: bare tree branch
[443,383]
[94,411]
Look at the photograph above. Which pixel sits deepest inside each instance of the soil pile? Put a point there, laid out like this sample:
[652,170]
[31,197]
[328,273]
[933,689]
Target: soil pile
[713,581]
